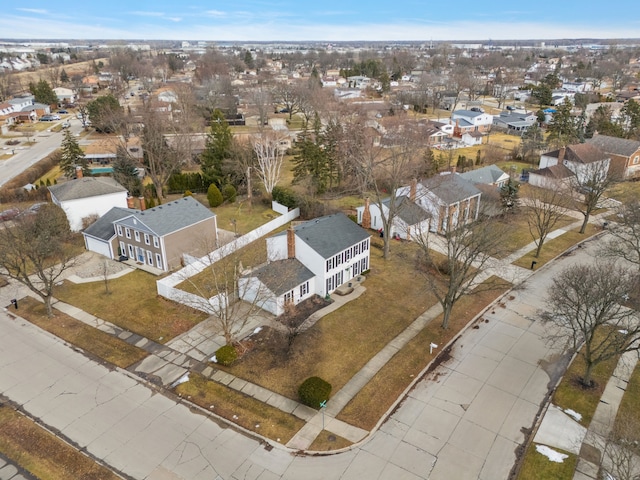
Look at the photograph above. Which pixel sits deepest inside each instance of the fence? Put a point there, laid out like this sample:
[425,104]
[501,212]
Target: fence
[166,286]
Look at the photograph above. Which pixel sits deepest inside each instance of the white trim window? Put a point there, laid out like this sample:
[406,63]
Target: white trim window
[158,261]
[156,242]
[147,239]
[288,297]
[136,234]
[149,258]
[304,289]
[127,232]
[119,228]
[123,249]
[636,159]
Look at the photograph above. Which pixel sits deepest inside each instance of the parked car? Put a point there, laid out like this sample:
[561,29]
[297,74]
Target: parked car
[47,118]
[62,112]
[55,117]
[66,124]
[9,214]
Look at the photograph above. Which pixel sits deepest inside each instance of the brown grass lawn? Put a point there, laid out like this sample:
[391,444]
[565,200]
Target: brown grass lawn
[327,441]
[570,394]
[554,247]
[538,467]
[340,344]
[133,304]
[92,340]
[368,406]
[43,454]
[249,412]
[625,192]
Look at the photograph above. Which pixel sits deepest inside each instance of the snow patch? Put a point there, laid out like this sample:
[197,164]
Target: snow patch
[551,454]
[214,359]
[182,379]
[576,416]
[257,330]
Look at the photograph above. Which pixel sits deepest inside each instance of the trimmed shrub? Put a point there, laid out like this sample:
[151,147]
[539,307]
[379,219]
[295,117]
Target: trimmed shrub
[229,193]
[188,194]
[214,196]
[226,355]
[314,391]
[284,197]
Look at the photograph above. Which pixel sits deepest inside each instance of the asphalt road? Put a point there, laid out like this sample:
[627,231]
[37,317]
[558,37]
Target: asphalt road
[462,421]
[43,143]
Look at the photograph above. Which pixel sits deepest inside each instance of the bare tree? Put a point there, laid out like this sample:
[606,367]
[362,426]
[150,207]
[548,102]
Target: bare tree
[626,235]
[269,155]
[585,305]
[621,452]
[589,185]
[467,250]
[36,251]
[288,97]
[261,98]
[545,207]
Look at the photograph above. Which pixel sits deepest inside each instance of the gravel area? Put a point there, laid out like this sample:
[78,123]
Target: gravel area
[90,264]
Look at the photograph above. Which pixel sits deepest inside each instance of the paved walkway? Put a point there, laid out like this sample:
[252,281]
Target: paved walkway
[494,360]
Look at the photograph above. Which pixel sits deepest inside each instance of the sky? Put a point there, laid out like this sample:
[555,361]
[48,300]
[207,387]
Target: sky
[318,20]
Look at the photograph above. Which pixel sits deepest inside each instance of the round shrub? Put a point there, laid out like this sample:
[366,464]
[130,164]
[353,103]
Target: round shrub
[229,193]
[226,355]
[188,193]
[314,391]
[214,196]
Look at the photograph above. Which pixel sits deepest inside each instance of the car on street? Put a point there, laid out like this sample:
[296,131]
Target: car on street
[62,112]
[66,124]
[55,117]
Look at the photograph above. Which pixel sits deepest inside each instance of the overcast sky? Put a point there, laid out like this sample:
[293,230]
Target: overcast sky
[323,20]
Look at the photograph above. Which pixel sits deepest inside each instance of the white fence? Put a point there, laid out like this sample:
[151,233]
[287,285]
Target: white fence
[166,286]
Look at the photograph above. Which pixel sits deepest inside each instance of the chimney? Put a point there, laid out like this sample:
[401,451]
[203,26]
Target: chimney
[142,204]
[130,202]
[453,169]
[413,189]
[561,154]
[366,214]
[291,242]
[78,171]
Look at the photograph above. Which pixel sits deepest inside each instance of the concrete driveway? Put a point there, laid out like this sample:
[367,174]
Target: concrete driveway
[463,421]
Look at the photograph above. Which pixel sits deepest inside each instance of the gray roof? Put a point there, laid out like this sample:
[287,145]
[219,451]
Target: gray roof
[282,276]
[487,175]
[451,188]
[408,211]
[168,218]
[330,234]
[614,145]
[103,227]
[467,113]
[85,187]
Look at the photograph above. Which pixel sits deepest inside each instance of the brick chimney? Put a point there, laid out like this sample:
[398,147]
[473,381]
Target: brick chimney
[366,214]
[78,171]
[130,203]
[291,242]
[561,155]
[413,189]
[142,204]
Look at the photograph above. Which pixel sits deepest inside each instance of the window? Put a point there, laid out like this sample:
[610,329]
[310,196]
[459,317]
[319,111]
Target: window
[146,238]
[122,250]
[149,258]
[288,297]
[131,252]
[119,230]
[158,261]
[136,234]
[636,159]
[127,233]
[156,242]
[304,289]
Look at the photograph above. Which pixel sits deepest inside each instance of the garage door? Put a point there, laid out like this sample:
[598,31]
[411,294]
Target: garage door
[98,246]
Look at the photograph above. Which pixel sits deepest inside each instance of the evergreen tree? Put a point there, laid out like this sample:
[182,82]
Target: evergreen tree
[631,114]
[509,195]
[72,156]
[217,148]
[125,172]
[43,93]
[532,142]
[64,78]
[105,113]
[563,129]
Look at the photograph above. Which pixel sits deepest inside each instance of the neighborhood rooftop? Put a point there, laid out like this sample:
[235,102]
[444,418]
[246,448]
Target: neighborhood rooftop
[451,188]
[282,275]
[614,145]
[408,211]
[170,217]
[103,227]
[579,153]
[85,187]
[331,234]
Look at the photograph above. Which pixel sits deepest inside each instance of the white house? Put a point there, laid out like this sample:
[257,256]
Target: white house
[88,196]
[65,95]
[585,160]
[471,121]
[489,175]
[410,221]
[310,258]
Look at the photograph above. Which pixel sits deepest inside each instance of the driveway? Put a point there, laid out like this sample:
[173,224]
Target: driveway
[462,421]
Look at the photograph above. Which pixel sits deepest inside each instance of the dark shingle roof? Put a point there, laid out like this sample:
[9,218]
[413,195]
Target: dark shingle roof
[614,145]
[103,227]
[408,211]
[168,218]
[451,188]
[282,275]
[487,175]
[330,234]
[85,187]
[579,153]
[555,171]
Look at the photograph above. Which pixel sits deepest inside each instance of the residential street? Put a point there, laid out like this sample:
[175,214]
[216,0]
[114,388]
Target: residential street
[463,421]
[44,143]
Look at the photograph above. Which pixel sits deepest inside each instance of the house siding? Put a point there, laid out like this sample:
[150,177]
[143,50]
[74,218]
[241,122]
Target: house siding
[196,238]
[78,209]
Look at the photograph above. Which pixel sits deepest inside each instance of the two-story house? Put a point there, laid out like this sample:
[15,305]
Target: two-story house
[157,237]
[310,258]
[468,121]
[625,155]
[585,160]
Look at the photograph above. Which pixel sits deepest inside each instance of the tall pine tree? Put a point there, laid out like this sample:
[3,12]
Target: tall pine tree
[72,156]
[217,148]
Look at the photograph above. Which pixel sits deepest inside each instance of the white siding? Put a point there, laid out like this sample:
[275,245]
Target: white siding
[277,248]
[81,208]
